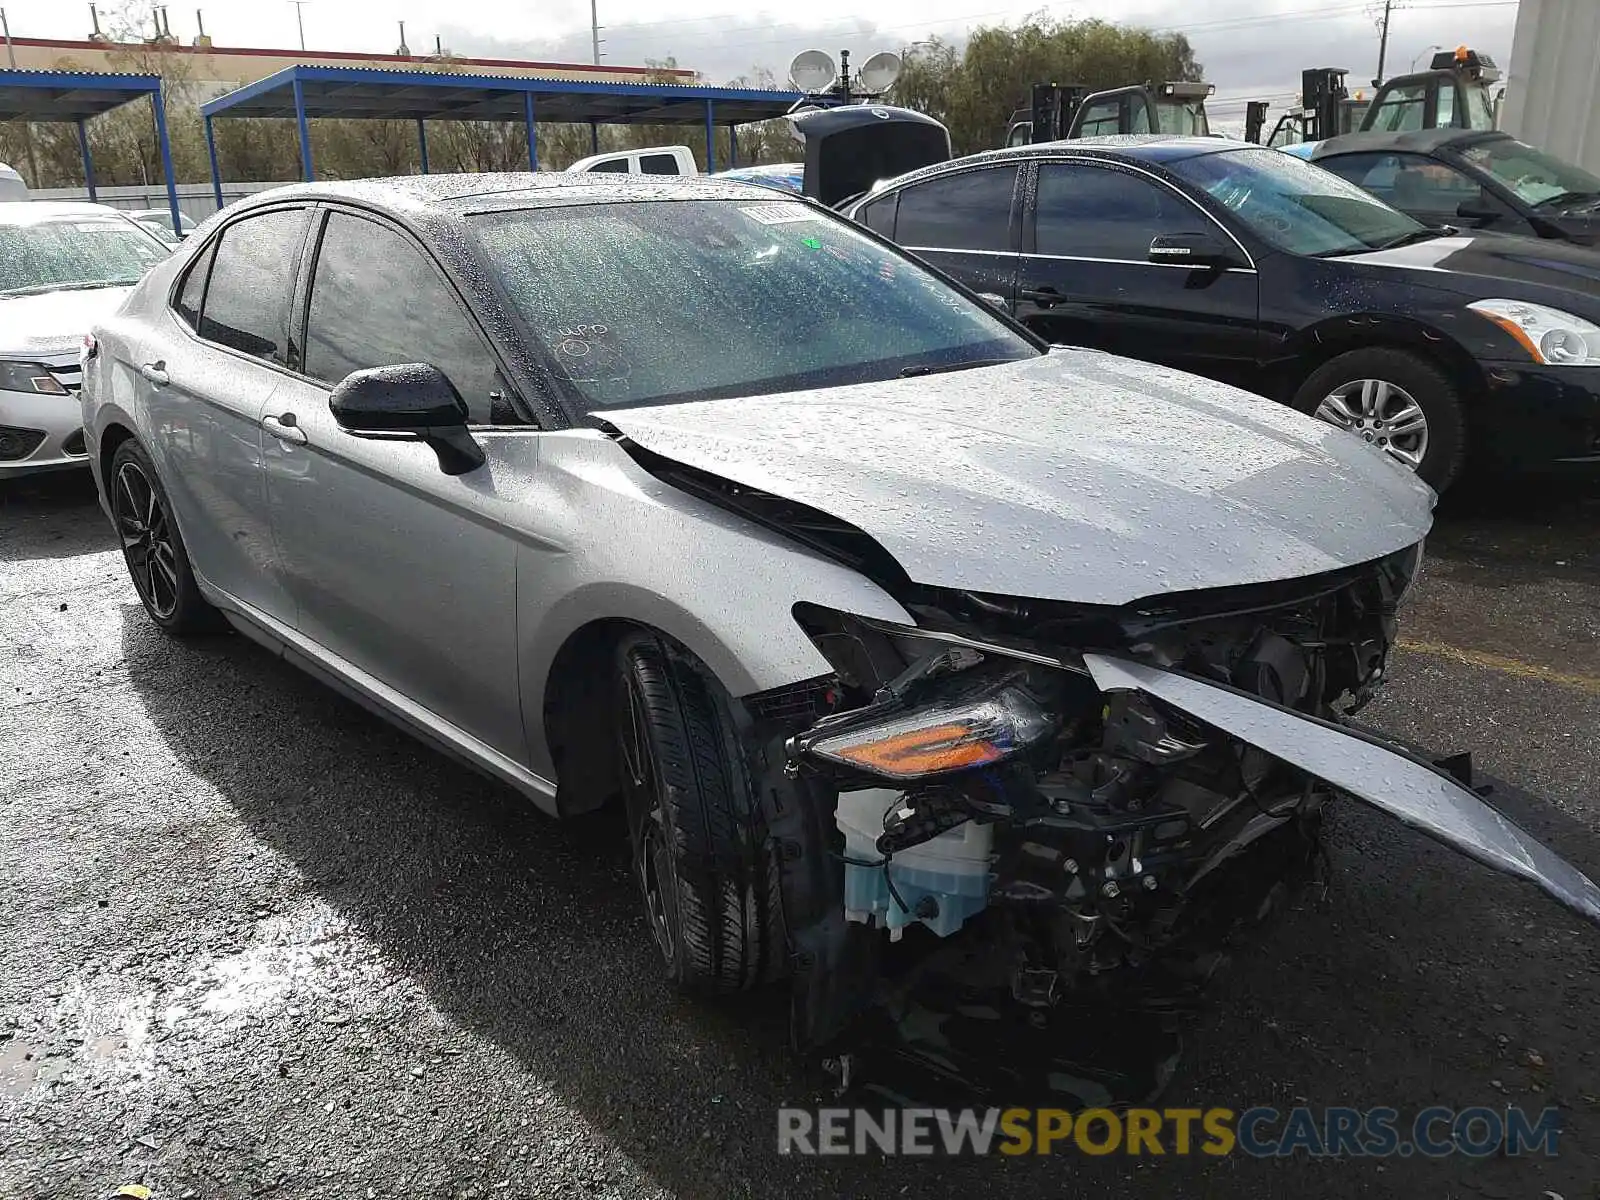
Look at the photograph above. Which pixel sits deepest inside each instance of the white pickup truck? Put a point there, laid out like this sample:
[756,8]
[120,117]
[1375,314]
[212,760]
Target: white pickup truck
[654,160]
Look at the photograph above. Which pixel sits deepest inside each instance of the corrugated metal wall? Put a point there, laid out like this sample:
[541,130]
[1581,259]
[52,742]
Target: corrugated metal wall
[1553,87]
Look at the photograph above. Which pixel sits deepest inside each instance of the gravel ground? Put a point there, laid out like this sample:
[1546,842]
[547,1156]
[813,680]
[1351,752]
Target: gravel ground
[257,942]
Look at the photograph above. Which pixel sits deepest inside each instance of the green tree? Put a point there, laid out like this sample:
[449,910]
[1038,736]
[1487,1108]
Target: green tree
[975,91]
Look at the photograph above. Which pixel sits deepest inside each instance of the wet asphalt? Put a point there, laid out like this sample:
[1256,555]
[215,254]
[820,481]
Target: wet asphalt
[255,942]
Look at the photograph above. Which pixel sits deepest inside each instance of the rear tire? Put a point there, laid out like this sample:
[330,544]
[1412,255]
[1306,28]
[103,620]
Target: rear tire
[1405,405]
[153,547]
[699,843]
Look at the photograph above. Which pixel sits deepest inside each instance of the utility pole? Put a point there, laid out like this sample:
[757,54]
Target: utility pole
[594,28]
[1383,35]
[300,19]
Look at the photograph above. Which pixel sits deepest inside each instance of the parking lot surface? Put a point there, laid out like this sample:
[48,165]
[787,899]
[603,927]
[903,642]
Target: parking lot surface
[256,942]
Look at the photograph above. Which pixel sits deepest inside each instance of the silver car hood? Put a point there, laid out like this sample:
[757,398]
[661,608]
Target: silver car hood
[54,322]
[1075,476]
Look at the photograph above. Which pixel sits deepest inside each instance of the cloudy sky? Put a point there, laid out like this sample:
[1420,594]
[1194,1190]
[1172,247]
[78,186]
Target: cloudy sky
[1248,47]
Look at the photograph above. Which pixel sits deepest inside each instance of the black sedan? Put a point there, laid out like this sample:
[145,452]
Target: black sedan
[1470,178]
[1253,267]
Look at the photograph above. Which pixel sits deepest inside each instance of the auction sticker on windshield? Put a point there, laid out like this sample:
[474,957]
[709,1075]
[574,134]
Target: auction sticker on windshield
[782,213]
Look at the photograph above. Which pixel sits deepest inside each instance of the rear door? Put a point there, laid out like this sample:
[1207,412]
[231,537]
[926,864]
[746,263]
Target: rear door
[1086,278]
[205,387]
[400,571]
[966,223]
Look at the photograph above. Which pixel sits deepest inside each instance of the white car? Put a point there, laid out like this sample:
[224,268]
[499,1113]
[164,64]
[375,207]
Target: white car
[159,222]
[62,268]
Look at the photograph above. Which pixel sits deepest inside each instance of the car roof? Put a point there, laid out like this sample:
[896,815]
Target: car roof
[33,212]
[1135,147]
[458,194]
[1415,141]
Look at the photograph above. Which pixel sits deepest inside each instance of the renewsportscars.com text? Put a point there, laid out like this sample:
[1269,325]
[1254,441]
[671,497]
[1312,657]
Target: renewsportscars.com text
[1477,1132]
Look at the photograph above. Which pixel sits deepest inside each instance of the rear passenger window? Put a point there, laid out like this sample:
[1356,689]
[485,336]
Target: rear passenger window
[658,164]
[247,300]
[616,166]
[194,287]
[967,211]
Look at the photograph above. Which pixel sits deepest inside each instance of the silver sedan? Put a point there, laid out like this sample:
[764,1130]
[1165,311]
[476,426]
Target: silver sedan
[874,615]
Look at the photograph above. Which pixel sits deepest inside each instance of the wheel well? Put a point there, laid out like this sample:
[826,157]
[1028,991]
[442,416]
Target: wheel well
[113,437]
[578,715]
[1322,346]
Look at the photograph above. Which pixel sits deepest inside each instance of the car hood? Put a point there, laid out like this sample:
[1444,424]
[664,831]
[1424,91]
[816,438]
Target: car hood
[54,322]
[1480,265]
[1075,476]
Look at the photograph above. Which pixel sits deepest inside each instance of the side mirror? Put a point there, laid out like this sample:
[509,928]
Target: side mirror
[995,300]
[1476,211]
[1194,250]
[408,402]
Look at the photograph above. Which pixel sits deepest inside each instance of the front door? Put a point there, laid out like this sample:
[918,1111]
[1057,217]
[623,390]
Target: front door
[1086,278]
[401,571]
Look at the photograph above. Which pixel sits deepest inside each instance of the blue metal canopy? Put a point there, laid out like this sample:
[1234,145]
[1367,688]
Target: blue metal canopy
[303,92]
[75,96]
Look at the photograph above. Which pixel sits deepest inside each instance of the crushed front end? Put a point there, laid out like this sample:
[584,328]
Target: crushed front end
[971,780]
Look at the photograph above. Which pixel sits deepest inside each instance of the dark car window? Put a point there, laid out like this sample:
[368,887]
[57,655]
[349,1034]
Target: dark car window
[651,302]
[658,164]
[1094,212]
[617,166]
[247,300]
[1410,182]
[879,215]
[376,301]
[1536,177]
[970,210]
[194,287]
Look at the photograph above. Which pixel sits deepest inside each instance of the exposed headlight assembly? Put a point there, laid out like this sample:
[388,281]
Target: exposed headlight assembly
[29,377]
[935,738]
[1550,336]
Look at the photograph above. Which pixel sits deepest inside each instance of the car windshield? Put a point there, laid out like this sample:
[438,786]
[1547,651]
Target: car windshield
[640,303]
[1536,177]
[74,252]
[1296,206]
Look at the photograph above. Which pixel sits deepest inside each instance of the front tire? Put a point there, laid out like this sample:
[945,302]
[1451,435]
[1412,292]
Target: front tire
[699,852]
[1401,403]
[152,546]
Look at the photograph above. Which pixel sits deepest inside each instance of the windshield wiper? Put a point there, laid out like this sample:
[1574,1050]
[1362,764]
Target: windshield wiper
[940,368]
[1562,199]
[39,289]
[1426,234]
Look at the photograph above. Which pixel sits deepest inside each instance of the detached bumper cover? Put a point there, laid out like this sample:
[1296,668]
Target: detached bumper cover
[1418,793]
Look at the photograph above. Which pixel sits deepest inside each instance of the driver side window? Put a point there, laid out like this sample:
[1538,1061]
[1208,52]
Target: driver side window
[1100,213]
[377,301]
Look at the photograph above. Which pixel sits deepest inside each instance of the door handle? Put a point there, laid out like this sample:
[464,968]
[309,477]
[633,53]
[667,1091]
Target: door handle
[1044,295]
[286,428]
[156,373]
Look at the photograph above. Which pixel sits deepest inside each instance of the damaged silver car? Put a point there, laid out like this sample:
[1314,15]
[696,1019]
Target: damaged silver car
[881,620]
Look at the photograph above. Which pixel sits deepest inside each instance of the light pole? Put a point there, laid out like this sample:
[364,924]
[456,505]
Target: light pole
[300,19]
[1429,50]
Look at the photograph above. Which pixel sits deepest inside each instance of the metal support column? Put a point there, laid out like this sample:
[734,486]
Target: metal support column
[533,138]
[594,137]
[711,137]
[422,144]
[88,161]
[733,145]
[216,172]
[306,171]
[157,99]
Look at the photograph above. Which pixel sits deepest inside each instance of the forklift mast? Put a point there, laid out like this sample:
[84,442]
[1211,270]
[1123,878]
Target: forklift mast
[1454,93]
[1255,120]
